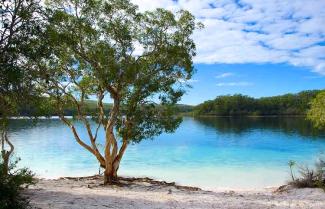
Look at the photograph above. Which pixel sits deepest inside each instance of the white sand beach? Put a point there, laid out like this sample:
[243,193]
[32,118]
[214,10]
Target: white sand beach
[143,193]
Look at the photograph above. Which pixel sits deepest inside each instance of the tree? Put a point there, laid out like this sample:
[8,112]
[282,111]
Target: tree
[104,49]
[316,112]
[18,33]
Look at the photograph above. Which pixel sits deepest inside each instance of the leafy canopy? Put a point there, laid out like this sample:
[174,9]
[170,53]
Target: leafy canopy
[103,49]
[19,29]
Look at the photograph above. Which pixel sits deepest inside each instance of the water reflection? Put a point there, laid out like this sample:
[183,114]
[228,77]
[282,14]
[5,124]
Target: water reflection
[240,125]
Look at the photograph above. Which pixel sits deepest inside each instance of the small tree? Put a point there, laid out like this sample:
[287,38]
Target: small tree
[291,164]
[103,49]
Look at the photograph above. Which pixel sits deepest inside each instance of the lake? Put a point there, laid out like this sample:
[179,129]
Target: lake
[210,152]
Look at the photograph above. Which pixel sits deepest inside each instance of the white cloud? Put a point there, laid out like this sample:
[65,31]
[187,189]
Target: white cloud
[235,84]
[255,31]
[225,75]
[314,51]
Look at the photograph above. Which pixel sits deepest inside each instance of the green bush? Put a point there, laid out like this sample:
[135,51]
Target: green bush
[11,185]
[310,178]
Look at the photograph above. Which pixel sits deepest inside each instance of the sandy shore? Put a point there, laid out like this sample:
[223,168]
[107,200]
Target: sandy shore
[142,193]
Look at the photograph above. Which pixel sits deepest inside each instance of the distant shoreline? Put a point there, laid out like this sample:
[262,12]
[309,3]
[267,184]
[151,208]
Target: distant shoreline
[184,115]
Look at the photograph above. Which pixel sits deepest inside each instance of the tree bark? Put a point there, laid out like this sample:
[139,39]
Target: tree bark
[117,160]
[110,174]
[111,145]
[4,153]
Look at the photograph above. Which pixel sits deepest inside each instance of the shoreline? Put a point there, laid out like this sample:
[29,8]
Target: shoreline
[147,193]
[155,180]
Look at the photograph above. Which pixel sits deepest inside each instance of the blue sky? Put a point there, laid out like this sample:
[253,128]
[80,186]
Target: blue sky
[256,80]
[253,47]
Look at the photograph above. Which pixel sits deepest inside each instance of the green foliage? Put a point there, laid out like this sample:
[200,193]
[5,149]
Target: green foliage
[17,39]
[316,112]
[11,186]
[236,105]
[185,109]
[45,107]
[94,52]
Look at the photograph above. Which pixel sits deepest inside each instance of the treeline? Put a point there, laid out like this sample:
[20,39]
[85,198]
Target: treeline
[48,109]
[90,108]
[228,105]
[241,105]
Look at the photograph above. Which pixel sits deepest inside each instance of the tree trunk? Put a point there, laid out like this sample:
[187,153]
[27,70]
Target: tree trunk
[5,159]
[116,166]
[117,160]
[113,156]
[110,174]
[110,145]
[108,177]
[4,153]
[110,155]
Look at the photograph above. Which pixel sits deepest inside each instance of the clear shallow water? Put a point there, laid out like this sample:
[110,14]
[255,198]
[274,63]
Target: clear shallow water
[242,153]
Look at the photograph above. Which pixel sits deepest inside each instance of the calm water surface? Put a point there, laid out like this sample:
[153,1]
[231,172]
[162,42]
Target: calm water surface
[211,153]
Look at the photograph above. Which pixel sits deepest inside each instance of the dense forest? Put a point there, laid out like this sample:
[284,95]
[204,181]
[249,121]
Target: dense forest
[227,105]
[238,105]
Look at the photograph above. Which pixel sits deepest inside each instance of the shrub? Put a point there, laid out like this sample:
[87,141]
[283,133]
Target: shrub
[11,185]
[311,178]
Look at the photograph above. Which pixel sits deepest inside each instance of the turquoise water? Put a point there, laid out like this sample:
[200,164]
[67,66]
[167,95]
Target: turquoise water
[211,153]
